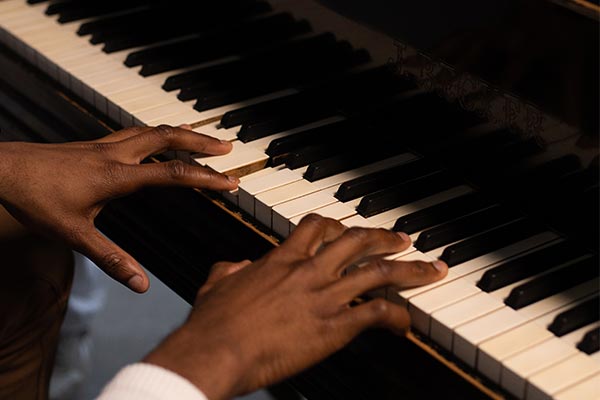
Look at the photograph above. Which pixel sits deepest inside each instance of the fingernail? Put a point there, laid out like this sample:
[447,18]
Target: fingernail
[233,179]
[136,283]
[440,265]
[224,141]
[404,236]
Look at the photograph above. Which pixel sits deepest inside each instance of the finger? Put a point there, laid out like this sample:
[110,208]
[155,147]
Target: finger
[222,270]
[172,173]
[383,272]
[123,134]
[113,260]
[357,244]
[164,138]
[312,232]
[377,313]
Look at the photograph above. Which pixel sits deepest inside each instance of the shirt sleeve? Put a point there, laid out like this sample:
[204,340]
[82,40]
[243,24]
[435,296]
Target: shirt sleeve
[141,381]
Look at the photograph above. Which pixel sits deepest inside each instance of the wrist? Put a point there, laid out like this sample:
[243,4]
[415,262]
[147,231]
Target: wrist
[212,367]
[6,168]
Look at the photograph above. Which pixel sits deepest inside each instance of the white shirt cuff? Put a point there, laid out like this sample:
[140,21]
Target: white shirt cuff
[141,381]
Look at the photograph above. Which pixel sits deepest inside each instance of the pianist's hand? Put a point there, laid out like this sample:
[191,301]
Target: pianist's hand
[59,189]
[254,324]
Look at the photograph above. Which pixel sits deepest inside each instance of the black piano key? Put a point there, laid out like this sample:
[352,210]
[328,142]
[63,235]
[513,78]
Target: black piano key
[358,88]
[35,1]
[407,192]
[247,84]
[529,265]
[439,213]
[325,133]
[464,226]
[245,33]
[553,282]
[80,10]
[376,181]
[590,342]
[357,157]
[282,122]
[273,30]
[215,17]
[309,154]
[281,54]
[489,241]
[576,317]
[118,23]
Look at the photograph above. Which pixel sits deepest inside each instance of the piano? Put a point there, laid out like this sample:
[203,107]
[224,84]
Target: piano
[470,125]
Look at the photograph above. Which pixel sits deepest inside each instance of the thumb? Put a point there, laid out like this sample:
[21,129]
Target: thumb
[221,270]
[113,260]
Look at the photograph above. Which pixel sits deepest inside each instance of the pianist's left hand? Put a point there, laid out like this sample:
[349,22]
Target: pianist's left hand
[59,189]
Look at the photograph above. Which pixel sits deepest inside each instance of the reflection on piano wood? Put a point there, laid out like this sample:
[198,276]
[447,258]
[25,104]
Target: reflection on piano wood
[329,116]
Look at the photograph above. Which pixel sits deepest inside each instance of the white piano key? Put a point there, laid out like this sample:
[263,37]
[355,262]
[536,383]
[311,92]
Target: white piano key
[422,307]
[518,368]
[588,389]
[446,321]
[337,211]
[494,351]
[233,195]
[257,148]
[283,213]
[478,263]
[543,385]
[248,191]
[469,335]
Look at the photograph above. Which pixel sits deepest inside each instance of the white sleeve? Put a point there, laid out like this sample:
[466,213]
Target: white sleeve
[141,381]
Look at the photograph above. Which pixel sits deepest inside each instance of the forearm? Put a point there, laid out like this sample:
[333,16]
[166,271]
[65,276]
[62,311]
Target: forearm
[203,361]
[7,168]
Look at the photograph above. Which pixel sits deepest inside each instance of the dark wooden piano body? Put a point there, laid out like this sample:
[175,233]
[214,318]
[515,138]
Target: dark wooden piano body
[547,89]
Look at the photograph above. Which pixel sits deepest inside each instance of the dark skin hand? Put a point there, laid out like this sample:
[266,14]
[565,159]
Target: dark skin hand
[255,324]
[59,189]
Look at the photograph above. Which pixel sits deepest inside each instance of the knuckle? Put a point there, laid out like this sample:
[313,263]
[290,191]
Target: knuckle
[113,264]
[381,268]
[380,308]
[165,133]
[312,218]
[360,235]
[419,268]
[176,169]
[113,172]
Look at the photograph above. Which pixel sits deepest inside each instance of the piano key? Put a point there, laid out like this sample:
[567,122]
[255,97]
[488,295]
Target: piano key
[548,382]
[404,193]
[423,307]
[588,389]
[589,343]
[266,201]
[248,191]
[284,212]
[465,226]
[576,317]
[380,180]
[469,336]
[233,195]
[528,265]
[491,259]
[442,212]
[249,157]
[484,243]
[553,282]
[493,352]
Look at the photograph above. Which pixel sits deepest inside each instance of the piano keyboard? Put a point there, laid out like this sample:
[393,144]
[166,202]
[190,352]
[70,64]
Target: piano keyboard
[318,128]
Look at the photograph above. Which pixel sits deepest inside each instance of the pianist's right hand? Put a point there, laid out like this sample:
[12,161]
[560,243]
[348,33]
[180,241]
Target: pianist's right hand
[255,324]
[59,189]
